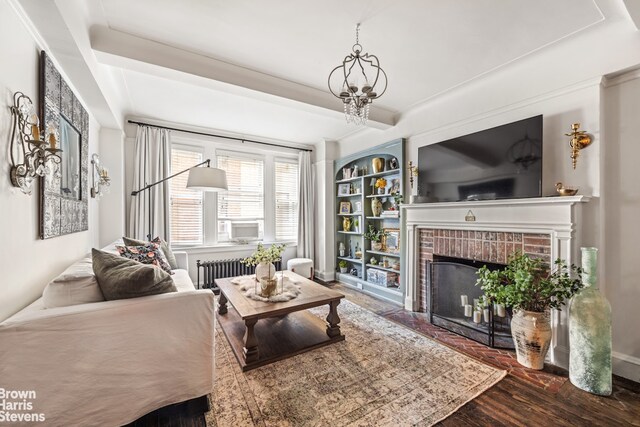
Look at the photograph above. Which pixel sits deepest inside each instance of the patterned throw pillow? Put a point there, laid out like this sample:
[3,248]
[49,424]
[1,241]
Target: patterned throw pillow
[151,253]
[171,259]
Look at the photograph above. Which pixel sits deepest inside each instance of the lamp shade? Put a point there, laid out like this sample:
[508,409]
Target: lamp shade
[207,179]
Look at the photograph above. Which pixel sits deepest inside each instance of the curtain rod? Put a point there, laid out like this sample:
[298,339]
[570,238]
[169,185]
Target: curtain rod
[218,136]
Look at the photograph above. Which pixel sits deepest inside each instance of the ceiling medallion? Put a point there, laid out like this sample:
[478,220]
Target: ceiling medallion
[356,80]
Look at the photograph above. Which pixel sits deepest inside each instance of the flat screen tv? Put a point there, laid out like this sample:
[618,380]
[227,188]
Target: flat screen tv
[504,162]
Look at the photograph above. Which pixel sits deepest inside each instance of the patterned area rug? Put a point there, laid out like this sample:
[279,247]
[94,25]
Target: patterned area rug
[382,375]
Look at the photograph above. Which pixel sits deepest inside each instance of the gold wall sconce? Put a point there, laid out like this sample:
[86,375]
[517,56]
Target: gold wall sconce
[30,151]
[413,173]
[579,140]
[100,177]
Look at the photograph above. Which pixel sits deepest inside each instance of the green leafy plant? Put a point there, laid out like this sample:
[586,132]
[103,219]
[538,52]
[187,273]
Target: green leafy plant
[527,284]
[397,197]
[271,254]
[342,264]
[374,234]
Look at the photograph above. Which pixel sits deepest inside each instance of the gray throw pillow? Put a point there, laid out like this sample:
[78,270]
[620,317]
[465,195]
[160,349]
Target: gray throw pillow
[121,278]
[168,254]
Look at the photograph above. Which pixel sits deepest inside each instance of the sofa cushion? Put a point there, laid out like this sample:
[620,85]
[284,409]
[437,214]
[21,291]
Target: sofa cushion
[150,253]
[76,285]
[163,245]
[121,278]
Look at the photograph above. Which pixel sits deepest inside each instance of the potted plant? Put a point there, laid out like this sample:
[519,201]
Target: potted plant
[263,258]
[375,236]
[343,266]
[381,184]
[531,289]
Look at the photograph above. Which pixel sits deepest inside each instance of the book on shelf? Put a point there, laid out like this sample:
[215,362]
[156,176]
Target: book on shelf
[390,214]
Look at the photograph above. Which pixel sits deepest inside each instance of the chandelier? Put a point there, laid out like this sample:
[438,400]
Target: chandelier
[355,81]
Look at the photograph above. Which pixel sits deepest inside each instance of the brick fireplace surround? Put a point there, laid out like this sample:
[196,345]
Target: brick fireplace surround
[488,246]
[545,227]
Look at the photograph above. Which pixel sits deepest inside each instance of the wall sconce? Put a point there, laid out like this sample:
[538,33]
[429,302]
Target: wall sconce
[100,177]
[29,152]
[579,140]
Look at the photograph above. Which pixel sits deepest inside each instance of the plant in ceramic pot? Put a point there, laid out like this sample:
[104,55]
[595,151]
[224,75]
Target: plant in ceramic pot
[375,236]
[381,184]
[263,258]
[531,289]
[343,266]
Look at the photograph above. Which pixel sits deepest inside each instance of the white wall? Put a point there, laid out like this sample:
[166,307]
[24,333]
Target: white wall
[112,203]
[621,201]
[26,262]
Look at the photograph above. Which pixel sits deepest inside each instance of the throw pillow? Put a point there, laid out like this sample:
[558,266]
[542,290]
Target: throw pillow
[76,285]
[164,245]
[147,254]
[121,278]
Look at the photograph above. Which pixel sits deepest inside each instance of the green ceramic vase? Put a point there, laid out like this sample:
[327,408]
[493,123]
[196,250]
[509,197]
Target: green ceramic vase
[590,332]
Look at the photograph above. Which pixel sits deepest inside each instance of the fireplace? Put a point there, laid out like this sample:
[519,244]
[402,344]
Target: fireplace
[488,231]
[451,285]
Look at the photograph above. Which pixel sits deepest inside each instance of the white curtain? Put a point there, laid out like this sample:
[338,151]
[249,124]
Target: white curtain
[152,163]
[305,211]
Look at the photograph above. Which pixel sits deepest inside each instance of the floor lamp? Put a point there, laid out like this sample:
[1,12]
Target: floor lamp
[200,178]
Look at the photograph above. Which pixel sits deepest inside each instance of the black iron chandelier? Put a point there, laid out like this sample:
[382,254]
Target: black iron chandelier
[356,80]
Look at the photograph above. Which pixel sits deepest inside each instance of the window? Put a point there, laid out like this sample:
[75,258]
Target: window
[186,205]
[244,200]
[286,188]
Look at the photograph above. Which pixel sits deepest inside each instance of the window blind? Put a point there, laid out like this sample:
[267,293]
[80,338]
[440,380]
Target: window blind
[244,199]
[186,205]
[286,189]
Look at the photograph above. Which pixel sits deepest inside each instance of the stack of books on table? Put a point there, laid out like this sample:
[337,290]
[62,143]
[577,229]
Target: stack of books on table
[390,214]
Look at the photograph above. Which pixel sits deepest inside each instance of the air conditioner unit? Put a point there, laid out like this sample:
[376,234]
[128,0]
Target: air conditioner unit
[244,231]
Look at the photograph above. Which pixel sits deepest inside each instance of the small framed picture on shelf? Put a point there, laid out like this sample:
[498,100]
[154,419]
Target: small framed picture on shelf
[357,207]
[395,186]
[391,240]
[345,207]
[344,189]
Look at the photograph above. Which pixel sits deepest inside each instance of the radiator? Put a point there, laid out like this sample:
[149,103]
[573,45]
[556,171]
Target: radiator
[219,269]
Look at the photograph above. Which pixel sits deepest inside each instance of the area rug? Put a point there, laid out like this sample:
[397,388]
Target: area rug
[383,374]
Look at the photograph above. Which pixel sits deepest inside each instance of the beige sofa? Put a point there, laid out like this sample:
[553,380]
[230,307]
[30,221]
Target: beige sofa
[110,362]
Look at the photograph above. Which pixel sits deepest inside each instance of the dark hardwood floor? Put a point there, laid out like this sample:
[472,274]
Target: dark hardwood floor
[511,402]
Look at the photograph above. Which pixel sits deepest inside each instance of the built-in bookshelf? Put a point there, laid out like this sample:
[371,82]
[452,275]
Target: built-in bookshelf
[372,271]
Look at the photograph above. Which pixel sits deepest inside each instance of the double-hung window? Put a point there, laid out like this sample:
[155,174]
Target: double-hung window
[286,199]
[186,205]
[244,199]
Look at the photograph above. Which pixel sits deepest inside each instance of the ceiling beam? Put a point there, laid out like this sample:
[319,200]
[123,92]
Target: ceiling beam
[126,51]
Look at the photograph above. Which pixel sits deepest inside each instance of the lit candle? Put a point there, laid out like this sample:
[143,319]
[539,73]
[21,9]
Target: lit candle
[468,310]
[464,300]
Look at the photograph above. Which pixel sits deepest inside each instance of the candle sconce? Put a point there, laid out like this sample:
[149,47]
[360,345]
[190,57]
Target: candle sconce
[579,140]
[100,177]
[29,151]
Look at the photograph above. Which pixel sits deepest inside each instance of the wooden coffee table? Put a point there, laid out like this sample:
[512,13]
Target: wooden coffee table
[285,328]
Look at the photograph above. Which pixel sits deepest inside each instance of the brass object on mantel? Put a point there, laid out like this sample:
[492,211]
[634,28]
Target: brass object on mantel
[579,140]
[565,191]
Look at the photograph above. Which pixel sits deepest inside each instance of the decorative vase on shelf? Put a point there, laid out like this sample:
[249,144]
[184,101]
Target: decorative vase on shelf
[346,223]
[590,332]
[376,206]
[531,332]
[380,190]
[377,164]
[376,246]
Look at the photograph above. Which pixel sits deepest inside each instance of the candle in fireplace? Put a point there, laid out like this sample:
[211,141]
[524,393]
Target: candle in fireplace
[464,300]
[468,310]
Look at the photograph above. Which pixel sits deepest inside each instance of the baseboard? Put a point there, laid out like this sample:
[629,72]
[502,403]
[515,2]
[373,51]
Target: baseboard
[325,276]
[626,366]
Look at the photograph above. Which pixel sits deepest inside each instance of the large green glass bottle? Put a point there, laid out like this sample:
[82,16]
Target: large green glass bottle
[590,332]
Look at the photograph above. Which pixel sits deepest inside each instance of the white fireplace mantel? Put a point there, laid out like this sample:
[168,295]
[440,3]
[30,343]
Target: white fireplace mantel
[559,217]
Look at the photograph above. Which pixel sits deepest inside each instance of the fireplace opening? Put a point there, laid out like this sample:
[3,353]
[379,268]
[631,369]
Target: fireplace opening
[454,299]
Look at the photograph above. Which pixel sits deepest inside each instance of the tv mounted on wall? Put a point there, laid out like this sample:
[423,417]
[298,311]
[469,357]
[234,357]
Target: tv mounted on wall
[503,162]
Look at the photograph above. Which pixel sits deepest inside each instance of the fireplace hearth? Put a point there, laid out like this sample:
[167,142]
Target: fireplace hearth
[454,299]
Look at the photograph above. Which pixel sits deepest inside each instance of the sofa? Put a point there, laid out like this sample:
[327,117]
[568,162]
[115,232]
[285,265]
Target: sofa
[108,362]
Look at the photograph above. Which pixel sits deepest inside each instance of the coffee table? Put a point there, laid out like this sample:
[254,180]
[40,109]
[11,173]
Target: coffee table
[285,328]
